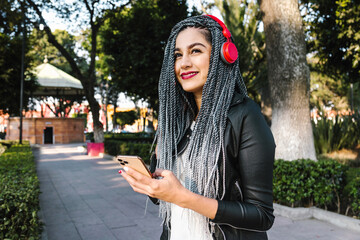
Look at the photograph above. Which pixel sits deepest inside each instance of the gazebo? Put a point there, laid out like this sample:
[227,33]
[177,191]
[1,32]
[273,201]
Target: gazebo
[53,82]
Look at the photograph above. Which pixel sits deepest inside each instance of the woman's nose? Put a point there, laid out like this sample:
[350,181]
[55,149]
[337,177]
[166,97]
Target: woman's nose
[185,61]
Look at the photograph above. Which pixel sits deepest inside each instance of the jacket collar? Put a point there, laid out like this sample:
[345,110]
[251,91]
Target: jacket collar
[237,98]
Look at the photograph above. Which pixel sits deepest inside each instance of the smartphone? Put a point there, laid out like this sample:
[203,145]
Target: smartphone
[135,162]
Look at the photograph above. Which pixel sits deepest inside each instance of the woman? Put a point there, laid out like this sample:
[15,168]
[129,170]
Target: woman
[215,151]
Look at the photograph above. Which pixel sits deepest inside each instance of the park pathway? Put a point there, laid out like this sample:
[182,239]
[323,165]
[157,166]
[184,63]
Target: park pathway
[84,198]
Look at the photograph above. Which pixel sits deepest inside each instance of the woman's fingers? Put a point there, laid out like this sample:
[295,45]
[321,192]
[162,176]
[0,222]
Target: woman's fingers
[135,174]
[162,173]
[138,181]
[166,187]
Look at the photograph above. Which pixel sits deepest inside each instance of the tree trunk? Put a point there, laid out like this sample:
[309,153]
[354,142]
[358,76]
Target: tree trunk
[114,115]
[289,79]
[266,108]
[98,126]
[95,109]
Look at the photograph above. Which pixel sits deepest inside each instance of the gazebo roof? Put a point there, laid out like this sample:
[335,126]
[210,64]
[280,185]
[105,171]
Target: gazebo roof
[55,82]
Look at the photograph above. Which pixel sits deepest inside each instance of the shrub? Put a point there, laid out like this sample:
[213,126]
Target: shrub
[337,133]
[329,180]
[116,147]
[19,194]
[352,190]
[293,182]
[8,143]
[140,137]
[309,183]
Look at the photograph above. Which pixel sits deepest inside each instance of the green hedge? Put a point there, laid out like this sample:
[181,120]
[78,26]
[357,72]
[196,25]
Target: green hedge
[116,147]
[325,184]
[19,194]
[352,191]
[140,137]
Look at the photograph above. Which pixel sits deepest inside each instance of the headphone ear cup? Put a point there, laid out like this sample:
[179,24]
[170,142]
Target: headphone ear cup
[229,53]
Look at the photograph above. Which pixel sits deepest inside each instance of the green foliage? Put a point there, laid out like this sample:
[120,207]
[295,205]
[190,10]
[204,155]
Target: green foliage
[352,190]
[243,19]
[129,117]
[329,180]
[41,49]
[140,137]
[333,35]
[336,133]
[292,181]
[135,38]
[116,147]
[19,194]
[10,59]
[326,92]
[325,183]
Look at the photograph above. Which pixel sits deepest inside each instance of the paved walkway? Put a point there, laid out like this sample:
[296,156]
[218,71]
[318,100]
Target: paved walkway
[85,198]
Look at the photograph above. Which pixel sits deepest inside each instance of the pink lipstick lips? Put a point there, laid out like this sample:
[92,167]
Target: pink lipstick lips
[187,75]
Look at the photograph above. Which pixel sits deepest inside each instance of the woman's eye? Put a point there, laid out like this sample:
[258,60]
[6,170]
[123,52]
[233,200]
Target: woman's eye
[177,55]
[195,50]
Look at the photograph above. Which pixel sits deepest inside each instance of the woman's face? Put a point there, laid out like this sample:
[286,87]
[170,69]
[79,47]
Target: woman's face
[192,59]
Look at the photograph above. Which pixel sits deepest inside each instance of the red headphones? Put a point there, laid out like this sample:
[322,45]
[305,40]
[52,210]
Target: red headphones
[228,53]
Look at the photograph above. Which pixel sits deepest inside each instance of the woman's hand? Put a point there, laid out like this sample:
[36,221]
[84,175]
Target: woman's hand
[168,188]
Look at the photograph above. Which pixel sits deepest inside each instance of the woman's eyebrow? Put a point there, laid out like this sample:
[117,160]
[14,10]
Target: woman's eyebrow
[191,46]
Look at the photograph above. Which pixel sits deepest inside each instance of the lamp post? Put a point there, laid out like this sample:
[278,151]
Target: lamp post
[352,96]
[22,74]
[108,88]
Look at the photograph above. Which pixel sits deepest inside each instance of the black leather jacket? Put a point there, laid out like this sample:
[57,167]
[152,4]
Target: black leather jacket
[246,211]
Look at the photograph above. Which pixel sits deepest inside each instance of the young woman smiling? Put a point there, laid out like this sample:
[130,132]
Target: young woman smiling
[215,151]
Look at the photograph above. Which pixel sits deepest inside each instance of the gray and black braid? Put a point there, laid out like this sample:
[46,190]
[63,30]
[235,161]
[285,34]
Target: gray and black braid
[177,110]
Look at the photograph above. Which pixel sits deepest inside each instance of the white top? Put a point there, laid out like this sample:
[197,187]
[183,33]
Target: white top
[181,228]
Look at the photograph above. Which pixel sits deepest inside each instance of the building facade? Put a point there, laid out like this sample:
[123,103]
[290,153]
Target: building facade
[47,130]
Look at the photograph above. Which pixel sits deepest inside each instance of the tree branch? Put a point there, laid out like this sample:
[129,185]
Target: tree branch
[53,41]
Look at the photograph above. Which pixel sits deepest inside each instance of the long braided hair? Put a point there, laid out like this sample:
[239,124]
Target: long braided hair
[178,110]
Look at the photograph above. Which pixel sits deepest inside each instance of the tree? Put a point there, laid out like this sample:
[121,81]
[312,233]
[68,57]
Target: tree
[333,31]
[333,40]
[42,48]
[288,75]
[42,51]
[91,14]
[242,18]
[327,93]
[11,19]
[124,118]
[136,45]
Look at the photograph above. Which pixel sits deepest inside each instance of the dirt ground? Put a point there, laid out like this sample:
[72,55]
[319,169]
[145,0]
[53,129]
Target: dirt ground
[346,156]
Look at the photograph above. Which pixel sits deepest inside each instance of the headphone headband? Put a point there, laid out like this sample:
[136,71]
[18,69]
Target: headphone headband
[228,53]
[225,31]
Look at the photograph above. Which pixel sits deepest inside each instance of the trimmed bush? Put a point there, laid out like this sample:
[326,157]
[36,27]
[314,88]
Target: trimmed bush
[325,184]
[329,177]
[140,137]
[116,147]
[19,194]
[352,190]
